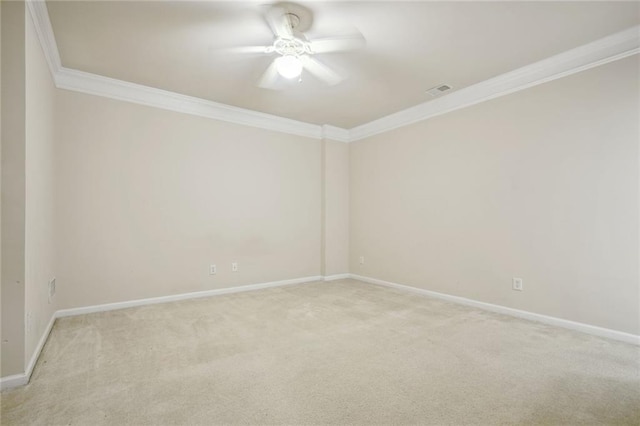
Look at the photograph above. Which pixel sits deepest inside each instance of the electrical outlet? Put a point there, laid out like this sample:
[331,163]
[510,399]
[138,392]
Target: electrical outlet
[234,267]
[52,289]
[362,260]
[517,284]
[212,269]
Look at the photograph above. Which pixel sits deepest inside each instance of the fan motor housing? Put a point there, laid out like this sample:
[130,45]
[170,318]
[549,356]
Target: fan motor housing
[292,46]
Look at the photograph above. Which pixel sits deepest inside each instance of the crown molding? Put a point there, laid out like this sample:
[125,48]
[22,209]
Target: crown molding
[336,133]
[98,85]
[40,17]
[608,49]
[93,84]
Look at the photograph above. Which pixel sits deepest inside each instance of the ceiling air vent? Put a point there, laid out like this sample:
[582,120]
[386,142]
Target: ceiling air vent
[438,90]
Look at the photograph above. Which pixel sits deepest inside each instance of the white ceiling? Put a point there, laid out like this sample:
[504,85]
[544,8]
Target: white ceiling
[411,47]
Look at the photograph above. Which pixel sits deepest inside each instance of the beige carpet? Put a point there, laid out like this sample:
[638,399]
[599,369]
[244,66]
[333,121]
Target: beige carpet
[324,353]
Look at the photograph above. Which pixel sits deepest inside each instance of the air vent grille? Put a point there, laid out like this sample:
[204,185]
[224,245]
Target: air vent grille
[438,90]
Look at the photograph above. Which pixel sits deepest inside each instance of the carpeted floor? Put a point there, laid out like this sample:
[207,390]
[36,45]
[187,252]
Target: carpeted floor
[342,352]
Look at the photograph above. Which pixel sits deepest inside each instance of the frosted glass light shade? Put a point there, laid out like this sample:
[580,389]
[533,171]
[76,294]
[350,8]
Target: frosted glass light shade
[289,66]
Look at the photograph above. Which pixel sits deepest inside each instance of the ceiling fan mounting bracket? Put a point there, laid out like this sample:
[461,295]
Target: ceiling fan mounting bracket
[292,19]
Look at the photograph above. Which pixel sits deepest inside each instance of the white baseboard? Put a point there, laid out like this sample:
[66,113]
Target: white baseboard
[13,381]
[559,322]
[40,346]
[337,277]
[16,380]
[184,296]
[23,378]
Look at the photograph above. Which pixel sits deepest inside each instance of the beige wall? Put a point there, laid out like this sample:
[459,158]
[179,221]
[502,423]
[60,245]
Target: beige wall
[147,199]
[39,191]
[1,187]
[336,207]
[121,201]
[541,184]
[13,185]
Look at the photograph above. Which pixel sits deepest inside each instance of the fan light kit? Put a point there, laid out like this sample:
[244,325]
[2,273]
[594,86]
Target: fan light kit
[295,53]
[289,66]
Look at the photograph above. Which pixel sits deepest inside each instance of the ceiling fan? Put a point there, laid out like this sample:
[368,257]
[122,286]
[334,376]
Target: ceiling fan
[293,52]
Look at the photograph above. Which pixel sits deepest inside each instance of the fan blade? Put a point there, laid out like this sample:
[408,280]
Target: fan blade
[269,77]
[334,44]
[242,49]
[280,25]
[228,55]
[321,71]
